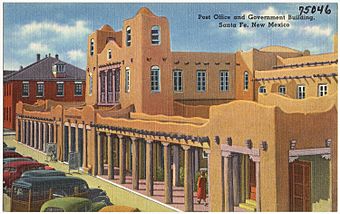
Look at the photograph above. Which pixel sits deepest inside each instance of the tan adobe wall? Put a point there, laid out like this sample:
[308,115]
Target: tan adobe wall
[191,110]
[311,59]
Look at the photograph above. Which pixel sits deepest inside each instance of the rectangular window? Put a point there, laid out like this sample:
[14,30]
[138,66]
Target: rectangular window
[60,89]
[90,85]
[25,89]
[78,88]
[301,92]
[201,81]
[178,80]
[127,80]
[128,36]
[224,80]
[155,79]
[323,90]
[40,89]
[155,35]
[282,90]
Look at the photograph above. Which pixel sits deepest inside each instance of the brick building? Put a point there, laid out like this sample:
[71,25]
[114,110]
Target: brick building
[48,78]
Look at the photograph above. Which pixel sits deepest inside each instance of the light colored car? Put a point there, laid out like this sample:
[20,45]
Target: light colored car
[71,204]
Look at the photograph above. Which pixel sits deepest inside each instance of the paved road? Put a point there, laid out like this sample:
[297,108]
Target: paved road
[117,195]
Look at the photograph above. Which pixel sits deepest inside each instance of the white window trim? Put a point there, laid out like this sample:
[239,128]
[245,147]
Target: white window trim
[127,80]
[279,90]
[206,81]
[78,82]
[297,92]
[108,54]
[159,80]
[28,94]
[227,83]
[43,89]
[63,89]
[244,81]
[126,36]
[173,81]
[262,87]
[92,45]
[319,91]
[159,35]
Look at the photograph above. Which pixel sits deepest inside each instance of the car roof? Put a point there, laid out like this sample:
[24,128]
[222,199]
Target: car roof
[46,181]
[10,151]
[23,163]
[66,202]
[43,172]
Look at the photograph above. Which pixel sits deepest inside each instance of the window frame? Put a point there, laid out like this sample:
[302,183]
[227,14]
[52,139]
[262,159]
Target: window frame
[109,54]
[158,81]
[246,81]
[224,80]
[262,89]
[201,82]
[127,79]
[43,89]
[177,85]
[285,90]
[324,87]
[60,83]
[158,34]
[298,92]
[77,83]
[128,39]
[28,89]
[92,47]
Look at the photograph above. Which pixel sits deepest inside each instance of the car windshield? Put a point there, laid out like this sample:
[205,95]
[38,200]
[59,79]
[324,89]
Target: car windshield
[20,193]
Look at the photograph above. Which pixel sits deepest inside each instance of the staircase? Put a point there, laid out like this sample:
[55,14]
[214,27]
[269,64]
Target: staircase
[249,206]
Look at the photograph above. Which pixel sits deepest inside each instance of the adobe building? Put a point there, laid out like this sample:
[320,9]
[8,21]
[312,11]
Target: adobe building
[148,108]
[47,78]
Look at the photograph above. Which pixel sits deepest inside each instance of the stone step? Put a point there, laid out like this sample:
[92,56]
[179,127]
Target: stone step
[250,201]
[248,207]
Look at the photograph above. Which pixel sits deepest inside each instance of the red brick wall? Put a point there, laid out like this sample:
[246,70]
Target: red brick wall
[50,92]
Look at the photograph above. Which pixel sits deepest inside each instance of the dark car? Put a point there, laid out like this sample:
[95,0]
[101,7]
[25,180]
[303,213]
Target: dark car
[14,170]
[42,173]
[29,194]
[8,148]
[10,160]
[13,154]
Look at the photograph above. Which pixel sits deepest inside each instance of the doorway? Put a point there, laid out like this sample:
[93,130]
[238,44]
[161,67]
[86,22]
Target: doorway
[252,180]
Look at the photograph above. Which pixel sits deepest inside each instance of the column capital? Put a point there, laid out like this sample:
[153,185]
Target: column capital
[133,139]
[226,154]
[255,158]
[185,147]
[120,136]
[165,144]
[108,134]
[148,141]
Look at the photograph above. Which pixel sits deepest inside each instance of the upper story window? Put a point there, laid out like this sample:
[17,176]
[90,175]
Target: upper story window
[201,81]
[60,89]
[92,47]
[78,88]
[127,79]
[246,81]
[128,36]
[322,90]
[282,90]
[25,89]
[60,68]
[301,92]
[155,79]
[262,90]
[40,89]
[155,35]
[178,80]
[109,54]
[224,80]
[90,84]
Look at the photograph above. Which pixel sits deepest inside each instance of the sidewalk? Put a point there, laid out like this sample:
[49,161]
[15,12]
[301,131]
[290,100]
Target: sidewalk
[117,195]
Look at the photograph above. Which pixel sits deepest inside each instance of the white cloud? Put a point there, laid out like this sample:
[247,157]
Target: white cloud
[317,30]
[38,47]
[76,55]
[270,11]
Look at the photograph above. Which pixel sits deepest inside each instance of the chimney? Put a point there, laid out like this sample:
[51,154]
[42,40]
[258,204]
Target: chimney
[38,57]
[57,56]
[45,55]
[49,54]
[21,67]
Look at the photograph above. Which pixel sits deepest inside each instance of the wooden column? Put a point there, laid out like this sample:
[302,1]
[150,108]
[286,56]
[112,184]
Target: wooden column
[39,136]
[122,159]
[110,170]
[188,185]
[30,134]
[44,137]
[22,131]
[149,168]
[256,159]
[100,155]
[228,182]
[35,128]
[175,165]
[85,135]
[96,138]
[76,137]
[167,174]
[208,177]
[135,163]
[236,179]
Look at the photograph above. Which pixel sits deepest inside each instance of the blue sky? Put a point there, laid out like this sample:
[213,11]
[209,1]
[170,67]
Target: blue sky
[63,28]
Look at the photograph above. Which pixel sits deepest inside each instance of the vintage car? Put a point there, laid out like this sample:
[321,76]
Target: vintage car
[117,208]
[42,173]
[13,154]
[29,194]
[71,204]
[8,148]
[9,160]
[14,170]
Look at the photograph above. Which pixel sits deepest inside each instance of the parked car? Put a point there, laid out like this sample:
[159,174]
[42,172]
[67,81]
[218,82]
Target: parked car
[13,154]
[10,160]
[29,194]
[14,170]
[71,204]
[42,173]
[117,208]
[8,148]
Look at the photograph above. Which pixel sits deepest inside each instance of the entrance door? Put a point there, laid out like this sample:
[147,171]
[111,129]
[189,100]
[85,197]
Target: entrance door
[300,186]
[252,180]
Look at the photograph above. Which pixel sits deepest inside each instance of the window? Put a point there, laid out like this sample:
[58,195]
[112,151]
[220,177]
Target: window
[201,81]
[91,84]
[109,54]
[92,47]
[155,35]
[178,82]
[323,90]
[128,36]
[60,68]
[262,90]
[127,79]
[245,81]
[60,89]
[40,89]
[282,90]
[155,79]
[301,92]
[78,88]
[224,80]
[25,89]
